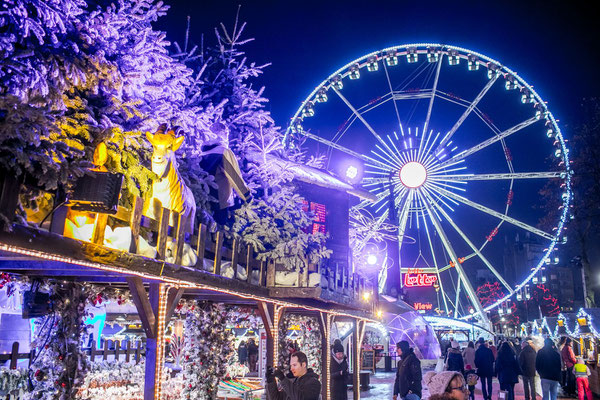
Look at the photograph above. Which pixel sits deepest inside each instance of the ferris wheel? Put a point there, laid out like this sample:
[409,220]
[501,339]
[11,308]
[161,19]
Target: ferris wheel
[454,148]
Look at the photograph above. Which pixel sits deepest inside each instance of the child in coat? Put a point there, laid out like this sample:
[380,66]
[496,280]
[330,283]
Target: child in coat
[581,374]
[471,378]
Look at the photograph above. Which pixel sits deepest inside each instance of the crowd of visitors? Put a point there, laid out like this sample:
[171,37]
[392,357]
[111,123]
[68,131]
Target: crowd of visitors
[456,379]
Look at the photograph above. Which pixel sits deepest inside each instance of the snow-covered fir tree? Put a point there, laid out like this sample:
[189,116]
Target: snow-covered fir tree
[274,221]
[208,347]
[60,365]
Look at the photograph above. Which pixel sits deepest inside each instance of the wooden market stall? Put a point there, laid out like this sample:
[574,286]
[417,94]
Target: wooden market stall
[587,334]
[199,265]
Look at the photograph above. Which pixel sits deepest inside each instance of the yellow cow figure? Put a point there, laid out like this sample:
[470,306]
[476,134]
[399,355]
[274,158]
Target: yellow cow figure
[169,189]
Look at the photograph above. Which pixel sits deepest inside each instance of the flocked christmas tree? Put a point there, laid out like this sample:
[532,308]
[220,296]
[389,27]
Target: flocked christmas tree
[208,347]
[60,365]
[273,221]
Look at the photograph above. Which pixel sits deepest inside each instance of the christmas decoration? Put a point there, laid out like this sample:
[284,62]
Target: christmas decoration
[489,293]
[207,350]
[305,337]
[13,382]
[60,365]
[273,221]
[124,381]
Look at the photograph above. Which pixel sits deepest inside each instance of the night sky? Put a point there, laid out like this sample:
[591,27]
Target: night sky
[552,45]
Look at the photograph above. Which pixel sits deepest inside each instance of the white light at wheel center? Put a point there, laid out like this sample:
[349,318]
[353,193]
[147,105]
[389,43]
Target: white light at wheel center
[413,174]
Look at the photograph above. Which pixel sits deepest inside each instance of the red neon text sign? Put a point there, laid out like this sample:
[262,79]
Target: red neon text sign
[423,306]
[419,279]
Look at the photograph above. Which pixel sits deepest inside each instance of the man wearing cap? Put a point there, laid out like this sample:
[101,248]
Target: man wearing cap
[339,372]
[408,375]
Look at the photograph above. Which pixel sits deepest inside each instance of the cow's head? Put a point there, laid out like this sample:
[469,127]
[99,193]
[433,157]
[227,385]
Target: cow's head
[164,145]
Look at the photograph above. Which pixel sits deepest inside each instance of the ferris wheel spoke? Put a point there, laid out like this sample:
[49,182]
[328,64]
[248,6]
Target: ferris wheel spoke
[456,302]
[387,75]
[495,177]
[402,220]
[358,115]
[474,248]
[494,213]
[433,90]
[466,153]
[435,264]
[450,251]
[464,116]
[346,150]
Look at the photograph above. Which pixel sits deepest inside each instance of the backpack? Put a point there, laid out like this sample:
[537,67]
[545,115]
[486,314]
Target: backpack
[472,379]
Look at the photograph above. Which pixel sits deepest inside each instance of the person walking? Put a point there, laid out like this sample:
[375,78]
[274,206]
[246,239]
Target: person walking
[303,385]
[339,373]
[252,354]
[484,362]
[407,385]
[548,366]
[527,364]
[507,369]
[242,352]
[471,378]
[568,357]
[583,384]
[563,373]
[494,349]
[469,354]
[454,360]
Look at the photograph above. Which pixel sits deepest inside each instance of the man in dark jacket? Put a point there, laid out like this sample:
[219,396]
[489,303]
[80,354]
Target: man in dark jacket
[454,360]
[527,363]
[408,374]
[339,373]
[304,385]
[548,365]
[484,361]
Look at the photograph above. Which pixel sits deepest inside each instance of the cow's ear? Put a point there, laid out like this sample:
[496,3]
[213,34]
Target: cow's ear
[150,137]
[178,142]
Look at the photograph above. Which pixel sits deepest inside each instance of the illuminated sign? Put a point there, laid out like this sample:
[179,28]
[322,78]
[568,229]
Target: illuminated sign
[419,279]
[423,306]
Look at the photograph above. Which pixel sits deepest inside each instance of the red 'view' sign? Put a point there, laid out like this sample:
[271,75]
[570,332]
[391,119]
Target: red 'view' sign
[423,306]
[419,279]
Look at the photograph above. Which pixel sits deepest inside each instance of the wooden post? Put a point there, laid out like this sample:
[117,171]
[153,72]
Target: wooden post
[201,246]
[267,313]
[249,265]
[324,326]
[99,228]
[163,229]
[151,350]
[180,238]
[138,353]
[105,352]
[135,222]
[270,273]
[14,355]
[356,359]
[234,257]
[93,352]
[128,351]
[218,253]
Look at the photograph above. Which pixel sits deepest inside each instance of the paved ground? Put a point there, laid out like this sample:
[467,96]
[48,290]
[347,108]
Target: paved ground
[382,384]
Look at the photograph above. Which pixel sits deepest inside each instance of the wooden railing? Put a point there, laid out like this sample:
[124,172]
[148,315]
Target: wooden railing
[112,349]
[213,247]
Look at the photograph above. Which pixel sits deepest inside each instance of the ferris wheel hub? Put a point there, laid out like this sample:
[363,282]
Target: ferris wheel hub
[413,174]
